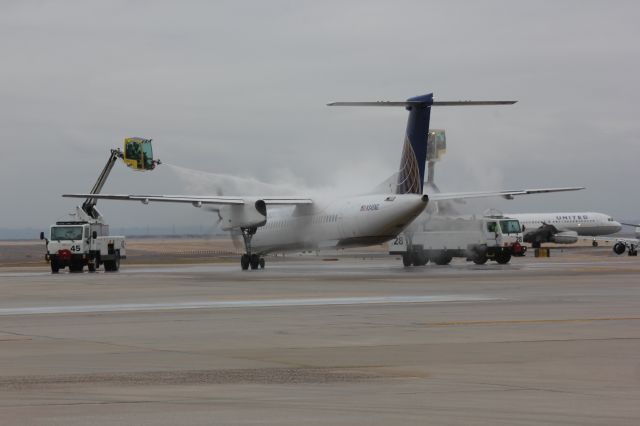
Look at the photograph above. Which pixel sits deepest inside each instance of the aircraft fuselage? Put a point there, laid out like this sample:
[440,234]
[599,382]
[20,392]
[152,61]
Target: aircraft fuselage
[347,222]
[583,223]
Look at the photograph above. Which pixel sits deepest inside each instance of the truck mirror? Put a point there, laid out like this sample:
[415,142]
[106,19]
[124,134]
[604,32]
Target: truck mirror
[42,235]
[94,235]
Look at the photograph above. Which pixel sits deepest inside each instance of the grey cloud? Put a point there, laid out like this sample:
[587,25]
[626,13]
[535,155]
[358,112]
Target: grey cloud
[239,88]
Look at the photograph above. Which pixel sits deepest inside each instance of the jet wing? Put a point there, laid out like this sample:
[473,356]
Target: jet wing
[489,194]
[196,200]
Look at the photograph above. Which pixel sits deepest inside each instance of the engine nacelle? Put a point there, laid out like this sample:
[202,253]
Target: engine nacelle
[566,237]
[252,213]
[619,248]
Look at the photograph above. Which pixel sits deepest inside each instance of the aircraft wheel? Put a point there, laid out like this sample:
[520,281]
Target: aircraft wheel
[254,261]
[261,263]
[244,262]
[594,244]
[633,252]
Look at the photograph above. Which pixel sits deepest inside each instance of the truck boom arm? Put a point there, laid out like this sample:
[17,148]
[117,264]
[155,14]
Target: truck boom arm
[90,203]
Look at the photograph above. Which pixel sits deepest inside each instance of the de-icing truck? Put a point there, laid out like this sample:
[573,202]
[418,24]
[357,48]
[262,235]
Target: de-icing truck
[439,239]
[84,240]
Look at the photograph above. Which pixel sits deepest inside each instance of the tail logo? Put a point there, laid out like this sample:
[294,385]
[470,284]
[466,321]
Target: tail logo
[409,176]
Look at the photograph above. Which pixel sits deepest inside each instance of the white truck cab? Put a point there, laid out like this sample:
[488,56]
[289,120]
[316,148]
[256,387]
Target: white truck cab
[76,244]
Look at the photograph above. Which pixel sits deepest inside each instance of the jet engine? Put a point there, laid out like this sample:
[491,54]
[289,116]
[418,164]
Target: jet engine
[543,234]
[619,248]
[566,237]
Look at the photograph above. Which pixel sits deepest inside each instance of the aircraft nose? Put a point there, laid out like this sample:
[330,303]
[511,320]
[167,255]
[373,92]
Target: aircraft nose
[616,225]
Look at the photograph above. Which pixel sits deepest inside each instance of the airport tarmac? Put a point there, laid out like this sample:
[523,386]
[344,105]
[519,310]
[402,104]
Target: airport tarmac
[312,341]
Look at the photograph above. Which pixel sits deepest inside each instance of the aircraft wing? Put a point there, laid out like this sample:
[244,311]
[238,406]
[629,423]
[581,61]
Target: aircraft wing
[196,200]
[489,194]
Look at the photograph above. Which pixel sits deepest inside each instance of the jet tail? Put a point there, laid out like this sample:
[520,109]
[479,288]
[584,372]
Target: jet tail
[414,150]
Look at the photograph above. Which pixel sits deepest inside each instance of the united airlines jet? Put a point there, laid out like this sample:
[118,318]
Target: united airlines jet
[564,228]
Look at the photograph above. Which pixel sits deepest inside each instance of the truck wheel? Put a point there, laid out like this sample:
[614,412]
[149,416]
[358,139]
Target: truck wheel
[262,263]
[55,268]
[91,267]
[112,265]
[116,262]
[420,259]
[503,258]
[407,260]
[480,260]
[442,258]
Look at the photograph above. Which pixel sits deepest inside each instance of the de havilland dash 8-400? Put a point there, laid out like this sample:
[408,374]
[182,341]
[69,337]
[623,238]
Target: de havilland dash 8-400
[290,223]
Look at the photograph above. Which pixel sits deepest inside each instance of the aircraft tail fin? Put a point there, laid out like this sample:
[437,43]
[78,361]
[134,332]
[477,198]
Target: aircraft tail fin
[414,150]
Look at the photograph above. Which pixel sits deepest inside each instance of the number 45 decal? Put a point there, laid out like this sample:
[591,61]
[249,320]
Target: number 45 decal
[75,248]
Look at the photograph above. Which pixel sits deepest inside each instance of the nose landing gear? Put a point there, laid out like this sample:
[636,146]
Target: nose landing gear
[250,259]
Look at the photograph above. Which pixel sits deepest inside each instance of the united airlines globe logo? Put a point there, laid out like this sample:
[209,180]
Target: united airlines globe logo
[409,176]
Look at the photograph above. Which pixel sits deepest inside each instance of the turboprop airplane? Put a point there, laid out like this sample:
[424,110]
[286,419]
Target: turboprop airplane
[287,223]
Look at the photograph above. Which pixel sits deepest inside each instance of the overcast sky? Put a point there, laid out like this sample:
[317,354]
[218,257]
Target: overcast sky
[240,88]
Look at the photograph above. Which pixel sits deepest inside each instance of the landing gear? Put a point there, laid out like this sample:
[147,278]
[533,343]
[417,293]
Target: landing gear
[594,243]
[244,262]
[254,261]
[250,259]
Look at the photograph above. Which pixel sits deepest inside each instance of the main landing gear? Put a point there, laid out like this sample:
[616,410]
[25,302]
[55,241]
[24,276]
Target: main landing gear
[250,259]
